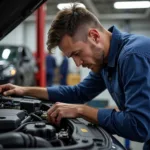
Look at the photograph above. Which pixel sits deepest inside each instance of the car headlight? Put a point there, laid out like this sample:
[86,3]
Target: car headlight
[10,71]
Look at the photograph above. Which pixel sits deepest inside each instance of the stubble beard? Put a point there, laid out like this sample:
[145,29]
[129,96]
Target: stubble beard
[100,63]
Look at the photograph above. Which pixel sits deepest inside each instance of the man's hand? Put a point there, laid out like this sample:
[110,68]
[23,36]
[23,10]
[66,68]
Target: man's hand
[63,110]
[10,89]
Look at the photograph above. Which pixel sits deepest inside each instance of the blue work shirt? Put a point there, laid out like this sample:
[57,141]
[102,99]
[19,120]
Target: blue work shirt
[64,66]
[127,78]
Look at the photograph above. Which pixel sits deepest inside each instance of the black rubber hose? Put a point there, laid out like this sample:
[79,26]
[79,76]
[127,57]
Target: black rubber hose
[36,117]
[21,140]
[27,119]
[21,127]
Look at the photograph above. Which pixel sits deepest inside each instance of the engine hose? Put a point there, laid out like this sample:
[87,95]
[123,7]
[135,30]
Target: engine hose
[27,119]
[21,140]
[21,127]
[34,116]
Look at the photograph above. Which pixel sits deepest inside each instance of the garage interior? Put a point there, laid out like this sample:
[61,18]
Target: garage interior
[32,33]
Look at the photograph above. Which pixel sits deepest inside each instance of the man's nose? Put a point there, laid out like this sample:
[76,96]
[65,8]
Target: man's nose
[77,61]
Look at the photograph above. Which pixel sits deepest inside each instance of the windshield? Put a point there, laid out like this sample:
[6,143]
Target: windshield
[8,53]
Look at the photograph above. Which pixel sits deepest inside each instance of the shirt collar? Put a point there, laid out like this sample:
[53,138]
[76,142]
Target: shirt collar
[114,46]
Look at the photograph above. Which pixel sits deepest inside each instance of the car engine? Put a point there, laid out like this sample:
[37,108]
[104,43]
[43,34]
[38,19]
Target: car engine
[24,125]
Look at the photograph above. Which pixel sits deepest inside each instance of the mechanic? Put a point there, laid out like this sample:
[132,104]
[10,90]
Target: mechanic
[50,69]
[63,70]
[119,62]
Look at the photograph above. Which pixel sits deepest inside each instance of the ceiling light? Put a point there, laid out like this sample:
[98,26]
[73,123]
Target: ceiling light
[68,5]
[132,4]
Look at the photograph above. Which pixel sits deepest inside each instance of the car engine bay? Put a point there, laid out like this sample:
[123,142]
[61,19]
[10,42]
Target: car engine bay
[24,125]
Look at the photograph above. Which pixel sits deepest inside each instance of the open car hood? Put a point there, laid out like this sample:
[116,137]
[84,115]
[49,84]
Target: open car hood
[13,12]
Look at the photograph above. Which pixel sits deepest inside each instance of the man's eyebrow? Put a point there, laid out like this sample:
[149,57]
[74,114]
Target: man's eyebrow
[72,53]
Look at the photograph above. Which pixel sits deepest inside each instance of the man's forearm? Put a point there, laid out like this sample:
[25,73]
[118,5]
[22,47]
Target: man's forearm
[38,92]
[88,113]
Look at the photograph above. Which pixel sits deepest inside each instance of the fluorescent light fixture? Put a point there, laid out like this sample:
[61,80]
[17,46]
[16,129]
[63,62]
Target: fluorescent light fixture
[68,5]
[132,4]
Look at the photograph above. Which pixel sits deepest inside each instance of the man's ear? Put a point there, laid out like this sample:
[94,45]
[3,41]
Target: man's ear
[94,35]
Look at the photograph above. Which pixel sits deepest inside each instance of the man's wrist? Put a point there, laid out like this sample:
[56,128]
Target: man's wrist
[88,113]
[81,110]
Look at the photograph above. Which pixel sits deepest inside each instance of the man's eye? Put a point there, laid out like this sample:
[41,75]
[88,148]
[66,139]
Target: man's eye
[76,54]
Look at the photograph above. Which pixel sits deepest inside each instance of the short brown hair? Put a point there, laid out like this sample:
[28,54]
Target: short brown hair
[67,21]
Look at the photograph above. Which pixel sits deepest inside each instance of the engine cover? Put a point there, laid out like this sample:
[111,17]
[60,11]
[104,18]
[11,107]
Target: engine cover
[10,119]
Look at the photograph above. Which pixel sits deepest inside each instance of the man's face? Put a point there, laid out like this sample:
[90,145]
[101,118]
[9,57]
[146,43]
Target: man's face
[87,53]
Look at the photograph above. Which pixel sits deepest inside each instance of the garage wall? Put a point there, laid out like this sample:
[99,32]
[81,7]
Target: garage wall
[25,33]
[140,27]
[30,35]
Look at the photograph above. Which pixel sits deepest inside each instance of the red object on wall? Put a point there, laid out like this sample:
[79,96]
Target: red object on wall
[40,55]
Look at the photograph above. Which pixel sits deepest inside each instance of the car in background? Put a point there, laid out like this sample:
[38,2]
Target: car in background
[17,65]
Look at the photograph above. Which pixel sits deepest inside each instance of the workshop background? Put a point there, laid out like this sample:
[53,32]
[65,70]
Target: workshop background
[129,20]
